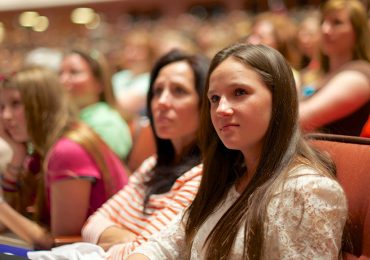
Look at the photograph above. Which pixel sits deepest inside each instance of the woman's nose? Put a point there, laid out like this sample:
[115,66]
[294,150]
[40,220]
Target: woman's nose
[6,113]
[63,78]
[325,27]
[224,107]
[165,98]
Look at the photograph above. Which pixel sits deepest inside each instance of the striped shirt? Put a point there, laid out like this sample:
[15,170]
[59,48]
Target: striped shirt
[125,209]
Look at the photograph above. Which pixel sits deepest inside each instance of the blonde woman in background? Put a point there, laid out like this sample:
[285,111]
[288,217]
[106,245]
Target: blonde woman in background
[79,171]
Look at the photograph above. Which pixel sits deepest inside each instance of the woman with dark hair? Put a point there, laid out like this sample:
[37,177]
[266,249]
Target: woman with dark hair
[165,183]
[265,193]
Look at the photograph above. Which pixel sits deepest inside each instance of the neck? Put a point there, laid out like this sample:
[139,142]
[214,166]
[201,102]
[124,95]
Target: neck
[338,61]
[181,146]
[251,162]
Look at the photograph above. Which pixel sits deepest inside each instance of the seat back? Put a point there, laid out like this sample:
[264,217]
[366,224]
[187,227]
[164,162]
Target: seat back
[352,158]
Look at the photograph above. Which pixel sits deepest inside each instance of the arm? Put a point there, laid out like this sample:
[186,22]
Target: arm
[106,227]
[307,219]
[19,151]
[70,171]
[69,200]
[183,193]
[168,244]
[115,235]
[137,257]
[23,227]
[342,95]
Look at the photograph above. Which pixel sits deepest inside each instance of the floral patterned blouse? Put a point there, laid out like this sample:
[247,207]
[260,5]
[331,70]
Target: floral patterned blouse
[305,220]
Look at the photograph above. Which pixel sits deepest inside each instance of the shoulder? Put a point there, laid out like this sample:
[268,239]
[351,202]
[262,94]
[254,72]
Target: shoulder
[143,173]
[194,172]
[354,72]
[100,111]
[191,177]
[358,65]
[66,148]
[308,183]
[69,156]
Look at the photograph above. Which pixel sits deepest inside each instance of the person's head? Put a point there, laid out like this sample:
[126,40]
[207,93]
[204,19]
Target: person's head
[246,73]
[173,103]
[344,31]
[87,78]
[250,111]
[136,54]
[165,40]
[309,32]
[277,31]
[34,106]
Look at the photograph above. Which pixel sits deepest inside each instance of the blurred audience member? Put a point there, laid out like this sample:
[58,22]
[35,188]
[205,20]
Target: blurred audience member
[278,31]
[79,170]
[131,83]
[43,56]
[166,183]
[309,32]
[339,102]
[86,77]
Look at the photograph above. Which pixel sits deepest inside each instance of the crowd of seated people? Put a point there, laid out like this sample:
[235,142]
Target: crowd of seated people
[200,182]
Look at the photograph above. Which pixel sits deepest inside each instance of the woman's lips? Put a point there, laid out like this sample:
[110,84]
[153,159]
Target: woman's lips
[227,127]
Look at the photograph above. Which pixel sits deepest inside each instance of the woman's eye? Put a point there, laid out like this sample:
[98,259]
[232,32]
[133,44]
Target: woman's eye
[157,91]
[214,99]
[240,92]
[180,90]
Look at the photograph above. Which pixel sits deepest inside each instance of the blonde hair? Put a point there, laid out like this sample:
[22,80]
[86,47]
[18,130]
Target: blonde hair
[285,33]
[358,17]
[47,109]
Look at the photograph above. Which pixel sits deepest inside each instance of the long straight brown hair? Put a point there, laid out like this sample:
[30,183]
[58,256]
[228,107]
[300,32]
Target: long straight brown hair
[283,149]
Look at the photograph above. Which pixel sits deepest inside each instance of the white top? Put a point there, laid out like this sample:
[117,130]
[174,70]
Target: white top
[305,220]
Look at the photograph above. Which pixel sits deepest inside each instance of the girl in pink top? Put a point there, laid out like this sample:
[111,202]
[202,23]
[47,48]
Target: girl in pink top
[79,171]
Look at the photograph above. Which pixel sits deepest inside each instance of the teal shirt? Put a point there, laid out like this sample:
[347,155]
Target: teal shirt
[110,126]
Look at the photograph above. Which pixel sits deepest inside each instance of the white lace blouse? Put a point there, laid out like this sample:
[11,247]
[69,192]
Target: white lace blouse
[305,220]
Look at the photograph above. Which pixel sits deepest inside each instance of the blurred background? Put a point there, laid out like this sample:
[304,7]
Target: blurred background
[105,25]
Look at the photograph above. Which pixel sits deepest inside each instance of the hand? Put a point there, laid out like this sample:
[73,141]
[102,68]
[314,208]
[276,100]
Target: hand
[17,147]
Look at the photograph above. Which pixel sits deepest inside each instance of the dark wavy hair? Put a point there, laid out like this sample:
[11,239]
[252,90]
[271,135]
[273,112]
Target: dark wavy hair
[166,171]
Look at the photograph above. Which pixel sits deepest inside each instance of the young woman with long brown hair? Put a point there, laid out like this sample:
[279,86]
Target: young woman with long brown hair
[265,193]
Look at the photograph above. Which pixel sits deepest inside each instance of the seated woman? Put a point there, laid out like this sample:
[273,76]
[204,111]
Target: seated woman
[88,81]
[339,102]
[165,183]
[265,193]
[79,171]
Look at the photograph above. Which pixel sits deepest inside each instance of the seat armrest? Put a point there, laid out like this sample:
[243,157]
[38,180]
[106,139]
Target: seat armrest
[63,240]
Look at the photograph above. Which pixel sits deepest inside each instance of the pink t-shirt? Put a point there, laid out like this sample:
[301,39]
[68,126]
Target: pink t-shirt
[68,159]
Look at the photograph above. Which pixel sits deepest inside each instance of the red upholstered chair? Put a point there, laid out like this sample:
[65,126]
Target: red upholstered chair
[352,158]
[366,129]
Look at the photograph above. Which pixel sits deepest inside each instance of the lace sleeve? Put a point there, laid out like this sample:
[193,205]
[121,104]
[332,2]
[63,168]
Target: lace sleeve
[306,220]
[167,244]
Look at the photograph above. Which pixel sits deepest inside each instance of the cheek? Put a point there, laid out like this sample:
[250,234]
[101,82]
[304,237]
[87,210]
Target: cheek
[153,106]
[189,115]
